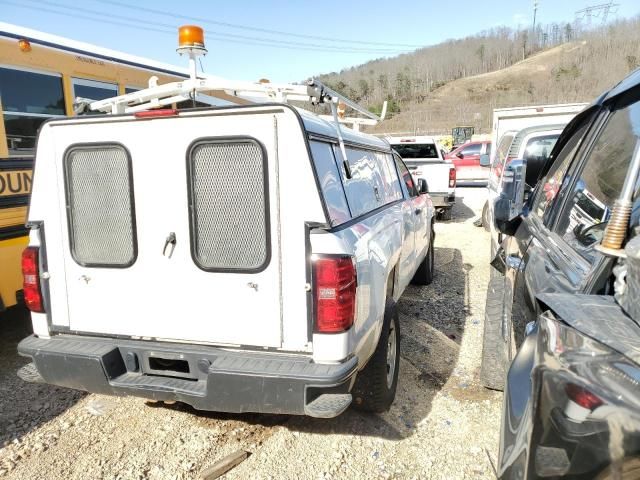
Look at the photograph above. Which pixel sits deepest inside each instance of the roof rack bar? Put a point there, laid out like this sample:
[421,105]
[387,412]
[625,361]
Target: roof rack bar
[314,92]
[335,96]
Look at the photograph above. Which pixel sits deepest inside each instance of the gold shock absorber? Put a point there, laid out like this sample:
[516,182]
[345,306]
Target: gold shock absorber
[616,230]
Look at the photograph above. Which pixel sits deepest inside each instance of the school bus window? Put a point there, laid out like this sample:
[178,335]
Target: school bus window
[21,133]
[131,89]
[28,99]
[93,90]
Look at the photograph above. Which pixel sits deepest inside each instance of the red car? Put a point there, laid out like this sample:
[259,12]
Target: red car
[466,158]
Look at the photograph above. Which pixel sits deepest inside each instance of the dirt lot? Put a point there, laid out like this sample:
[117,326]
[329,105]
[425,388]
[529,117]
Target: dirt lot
[442,424]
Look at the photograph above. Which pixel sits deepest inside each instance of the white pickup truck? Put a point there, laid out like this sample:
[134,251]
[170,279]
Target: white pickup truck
[242,258]
[425,159]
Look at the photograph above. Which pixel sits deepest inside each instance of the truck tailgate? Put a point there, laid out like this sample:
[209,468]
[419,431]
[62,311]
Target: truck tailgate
[435,173]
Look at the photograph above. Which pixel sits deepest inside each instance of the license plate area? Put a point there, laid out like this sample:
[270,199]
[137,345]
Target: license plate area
[166,364]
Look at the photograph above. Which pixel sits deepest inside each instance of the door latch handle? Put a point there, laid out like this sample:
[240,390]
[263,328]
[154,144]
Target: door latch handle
[418,211]
[171,240]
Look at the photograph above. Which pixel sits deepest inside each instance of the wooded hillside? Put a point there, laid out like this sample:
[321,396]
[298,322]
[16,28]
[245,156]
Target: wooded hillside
[460,82]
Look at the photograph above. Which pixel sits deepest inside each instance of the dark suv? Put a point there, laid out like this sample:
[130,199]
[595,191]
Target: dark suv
[562,320]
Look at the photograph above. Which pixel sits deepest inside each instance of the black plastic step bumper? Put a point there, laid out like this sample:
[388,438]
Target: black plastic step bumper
[207,378]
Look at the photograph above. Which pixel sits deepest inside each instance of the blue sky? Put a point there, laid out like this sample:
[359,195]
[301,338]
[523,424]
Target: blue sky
[365,29]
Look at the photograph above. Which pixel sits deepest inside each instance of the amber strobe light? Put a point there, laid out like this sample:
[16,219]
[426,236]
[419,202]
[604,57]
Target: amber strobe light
[190,36]
[25,45]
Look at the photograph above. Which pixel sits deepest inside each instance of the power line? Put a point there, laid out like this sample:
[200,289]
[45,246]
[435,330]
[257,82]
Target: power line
[170,29]
[247,27]
[136,21]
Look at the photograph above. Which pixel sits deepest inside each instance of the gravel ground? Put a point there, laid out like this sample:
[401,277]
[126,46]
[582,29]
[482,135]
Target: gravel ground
[443,424]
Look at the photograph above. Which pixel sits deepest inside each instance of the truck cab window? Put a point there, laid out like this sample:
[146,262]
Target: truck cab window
[472,149]
[407,178]
[417,150]
[588,207]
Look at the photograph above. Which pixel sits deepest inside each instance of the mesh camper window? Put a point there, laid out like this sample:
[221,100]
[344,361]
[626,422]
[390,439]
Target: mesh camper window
[100,205]
[228,202]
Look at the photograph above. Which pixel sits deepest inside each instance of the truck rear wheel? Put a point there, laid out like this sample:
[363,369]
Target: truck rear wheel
[375,387]
[445,214]
[495,352]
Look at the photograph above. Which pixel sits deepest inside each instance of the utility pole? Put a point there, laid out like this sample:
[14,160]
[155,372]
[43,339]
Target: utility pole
[535,11]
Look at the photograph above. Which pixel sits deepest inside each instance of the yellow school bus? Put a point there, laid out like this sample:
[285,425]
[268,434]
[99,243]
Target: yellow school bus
[40,76]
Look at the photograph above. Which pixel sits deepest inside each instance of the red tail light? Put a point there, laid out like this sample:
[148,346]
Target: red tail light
[335,293]
[31,282]
[583,397]
[452,177]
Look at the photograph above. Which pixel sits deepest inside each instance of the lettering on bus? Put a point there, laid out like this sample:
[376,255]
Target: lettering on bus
[93,61]
[17,182]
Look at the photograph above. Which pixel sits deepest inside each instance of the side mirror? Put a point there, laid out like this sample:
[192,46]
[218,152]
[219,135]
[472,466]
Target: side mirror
[508,206]
[443,153]
[423,187]
[460,155]
[535,164]
[484,160]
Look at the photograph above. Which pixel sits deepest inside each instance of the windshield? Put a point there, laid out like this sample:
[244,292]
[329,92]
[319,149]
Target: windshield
[416,150]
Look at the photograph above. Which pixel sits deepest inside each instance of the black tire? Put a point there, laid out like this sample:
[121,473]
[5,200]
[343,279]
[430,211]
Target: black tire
[495,351]
[372,391]
[485,217]
[424,274]
[446,214]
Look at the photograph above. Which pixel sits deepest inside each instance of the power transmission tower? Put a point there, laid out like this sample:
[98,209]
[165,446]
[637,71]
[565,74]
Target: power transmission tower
[601,11]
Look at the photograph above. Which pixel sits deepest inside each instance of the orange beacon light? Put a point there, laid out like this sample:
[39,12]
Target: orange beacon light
[191,36]
[191,42]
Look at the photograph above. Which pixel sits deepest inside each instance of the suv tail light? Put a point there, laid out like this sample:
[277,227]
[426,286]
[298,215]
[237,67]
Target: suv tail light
[452,177]
[583,397]
[335,293]
[31,279]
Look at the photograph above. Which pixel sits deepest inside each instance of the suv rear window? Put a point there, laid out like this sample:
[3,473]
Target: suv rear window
[228,200]
[416,150]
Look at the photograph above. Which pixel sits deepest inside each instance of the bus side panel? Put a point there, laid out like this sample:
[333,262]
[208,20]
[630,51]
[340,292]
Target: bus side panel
[11,275]
[15,186]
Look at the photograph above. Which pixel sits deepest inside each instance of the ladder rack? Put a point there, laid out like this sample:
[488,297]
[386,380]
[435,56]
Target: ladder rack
[314,92]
